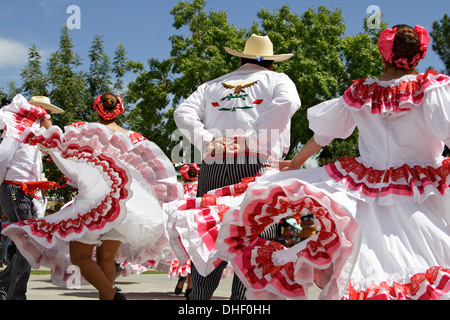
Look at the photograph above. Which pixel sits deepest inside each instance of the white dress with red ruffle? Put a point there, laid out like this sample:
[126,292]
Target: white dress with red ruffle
[383,218]
[122,181]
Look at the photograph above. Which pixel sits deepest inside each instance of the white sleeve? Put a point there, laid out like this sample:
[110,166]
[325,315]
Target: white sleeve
[437,112]
[330,120]
[189,119]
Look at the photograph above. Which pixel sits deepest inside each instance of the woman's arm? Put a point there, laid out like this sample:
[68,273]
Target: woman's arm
[309,149]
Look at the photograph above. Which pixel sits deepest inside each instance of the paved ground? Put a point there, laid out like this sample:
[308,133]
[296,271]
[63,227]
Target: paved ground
[135,287]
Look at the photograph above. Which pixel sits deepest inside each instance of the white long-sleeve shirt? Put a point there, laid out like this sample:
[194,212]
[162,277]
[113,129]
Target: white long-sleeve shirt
[19,162]
[261,110]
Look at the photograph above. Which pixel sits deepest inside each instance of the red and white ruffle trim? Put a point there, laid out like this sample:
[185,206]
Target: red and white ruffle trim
[271,271]
[367,183]
[194,224]
[104,216]
[394,98]
[90,143]
[19,115]
[179,270]
[140,155]
[193,227]
[432,284]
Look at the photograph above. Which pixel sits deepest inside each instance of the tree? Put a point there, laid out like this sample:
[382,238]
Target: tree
[99,76]
[441,40]
[34,82]
[200,56]
[150,92]
[194,59]
[68,87]
[119,68]
[12,89]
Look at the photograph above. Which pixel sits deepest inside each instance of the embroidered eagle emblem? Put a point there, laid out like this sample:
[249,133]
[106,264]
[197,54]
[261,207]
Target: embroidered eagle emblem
[239,87]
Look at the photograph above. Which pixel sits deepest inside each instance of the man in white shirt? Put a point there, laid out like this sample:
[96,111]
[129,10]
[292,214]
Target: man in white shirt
[21,173]
[240,122]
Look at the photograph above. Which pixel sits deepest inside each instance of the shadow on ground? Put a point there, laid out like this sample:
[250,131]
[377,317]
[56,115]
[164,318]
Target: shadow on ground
[90,293]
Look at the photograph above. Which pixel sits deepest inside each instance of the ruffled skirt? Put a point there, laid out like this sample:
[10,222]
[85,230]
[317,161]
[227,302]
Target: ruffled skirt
[363,250]
[193,225]
[121,185]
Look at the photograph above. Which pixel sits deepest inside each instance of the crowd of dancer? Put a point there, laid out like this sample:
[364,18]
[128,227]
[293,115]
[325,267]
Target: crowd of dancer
[373,227]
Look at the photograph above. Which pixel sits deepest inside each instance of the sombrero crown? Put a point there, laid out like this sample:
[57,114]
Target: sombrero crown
[257,47]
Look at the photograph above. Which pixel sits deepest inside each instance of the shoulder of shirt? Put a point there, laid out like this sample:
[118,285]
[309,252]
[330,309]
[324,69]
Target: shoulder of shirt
[245,70]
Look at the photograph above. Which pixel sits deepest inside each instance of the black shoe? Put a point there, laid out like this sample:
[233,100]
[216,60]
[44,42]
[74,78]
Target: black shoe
[180,284]
[188,291]
[119,296]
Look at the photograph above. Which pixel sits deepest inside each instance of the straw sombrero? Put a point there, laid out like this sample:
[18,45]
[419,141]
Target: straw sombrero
[259,47]
[44,102]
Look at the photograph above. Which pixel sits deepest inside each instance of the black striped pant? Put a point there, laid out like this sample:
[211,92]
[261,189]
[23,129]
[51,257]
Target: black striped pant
[18,206]
[216,174]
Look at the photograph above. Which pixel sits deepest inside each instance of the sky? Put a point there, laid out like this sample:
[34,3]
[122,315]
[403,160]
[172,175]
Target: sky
[144,27]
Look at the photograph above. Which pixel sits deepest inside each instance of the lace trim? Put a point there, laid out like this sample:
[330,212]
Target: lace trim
[394,98]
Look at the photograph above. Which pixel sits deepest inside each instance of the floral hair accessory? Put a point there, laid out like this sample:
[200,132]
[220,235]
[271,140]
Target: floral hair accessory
[184,171]
[108,115]
[424,40]
[386,46]
[386,43]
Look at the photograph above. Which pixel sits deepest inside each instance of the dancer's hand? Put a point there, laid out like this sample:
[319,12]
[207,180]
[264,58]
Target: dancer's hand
[46,122]
[281,165]
[236,145]
[216,147]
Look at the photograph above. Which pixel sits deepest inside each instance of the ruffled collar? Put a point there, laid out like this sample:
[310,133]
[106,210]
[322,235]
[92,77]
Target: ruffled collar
[394,96]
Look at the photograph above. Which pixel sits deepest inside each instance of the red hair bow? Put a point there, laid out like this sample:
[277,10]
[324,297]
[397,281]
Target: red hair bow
[386,46]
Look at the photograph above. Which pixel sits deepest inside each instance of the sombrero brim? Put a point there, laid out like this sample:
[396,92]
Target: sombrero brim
[277,58]
[53,109]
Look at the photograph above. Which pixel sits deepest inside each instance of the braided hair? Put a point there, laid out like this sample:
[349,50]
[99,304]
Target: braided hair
[108,106]
[406,46]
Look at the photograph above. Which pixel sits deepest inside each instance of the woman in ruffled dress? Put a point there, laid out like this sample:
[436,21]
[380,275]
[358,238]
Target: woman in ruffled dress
[122,181]
[383,218]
